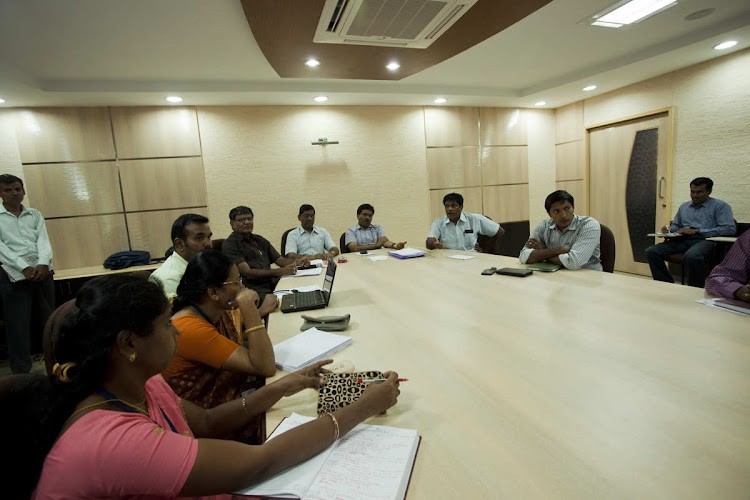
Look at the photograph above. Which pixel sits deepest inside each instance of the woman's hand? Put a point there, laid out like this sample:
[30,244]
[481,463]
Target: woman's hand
[381,396]
[305,378]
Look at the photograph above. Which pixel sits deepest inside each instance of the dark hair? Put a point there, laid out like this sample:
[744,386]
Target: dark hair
[454,197]
[241,210]
[10,179]
[105,306]
[556,197]
[207,269]
[178,226]
[365,206]
[304,208]
[703,181]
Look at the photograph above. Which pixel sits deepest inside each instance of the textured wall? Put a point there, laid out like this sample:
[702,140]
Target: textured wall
[712,124]
[10,159]
[262,157]
[541,126]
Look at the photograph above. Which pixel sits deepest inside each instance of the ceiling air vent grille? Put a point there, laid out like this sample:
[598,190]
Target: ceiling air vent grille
[388,23]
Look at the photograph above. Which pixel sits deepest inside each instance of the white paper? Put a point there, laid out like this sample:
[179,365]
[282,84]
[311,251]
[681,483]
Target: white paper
[379,257]
[308,347]
[735,309]
[307,272]
[665,235]
[461,257]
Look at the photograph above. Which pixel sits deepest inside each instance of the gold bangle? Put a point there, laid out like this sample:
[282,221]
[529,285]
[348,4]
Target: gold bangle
[244,405]
[254,328]
[335,426]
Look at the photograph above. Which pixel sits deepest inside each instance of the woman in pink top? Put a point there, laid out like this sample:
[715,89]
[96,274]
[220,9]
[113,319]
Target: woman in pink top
[107,425]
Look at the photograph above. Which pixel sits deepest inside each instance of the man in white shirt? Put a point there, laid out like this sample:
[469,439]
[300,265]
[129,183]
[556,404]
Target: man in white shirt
[26,287]
[459,230]
[309,239]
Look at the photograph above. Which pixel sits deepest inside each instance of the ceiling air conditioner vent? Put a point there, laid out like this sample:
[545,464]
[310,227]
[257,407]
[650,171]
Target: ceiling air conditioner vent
[388,23]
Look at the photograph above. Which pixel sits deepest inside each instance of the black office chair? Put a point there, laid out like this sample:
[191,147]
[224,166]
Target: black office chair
[283,240]
[342,244]
[607,249]
[510,244]
[216,243]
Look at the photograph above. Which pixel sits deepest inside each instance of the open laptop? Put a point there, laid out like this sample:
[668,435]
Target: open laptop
[316,299]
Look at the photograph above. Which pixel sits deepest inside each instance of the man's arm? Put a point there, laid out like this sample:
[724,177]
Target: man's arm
[44,250]
[730,278]
[587,238]
[725,225]
[433,237]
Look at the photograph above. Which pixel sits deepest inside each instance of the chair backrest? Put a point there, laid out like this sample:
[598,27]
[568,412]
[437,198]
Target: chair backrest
[216,243]
[607,249]
[510,244]
[742,227]
[342,244]
[282,250]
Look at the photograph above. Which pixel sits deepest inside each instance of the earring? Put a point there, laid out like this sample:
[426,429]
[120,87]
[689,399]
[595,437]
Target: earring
[132,357]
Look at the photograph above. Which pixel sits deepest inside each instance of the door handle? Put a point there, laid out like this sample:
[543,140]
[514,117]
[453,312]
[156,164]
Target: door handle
[662,188]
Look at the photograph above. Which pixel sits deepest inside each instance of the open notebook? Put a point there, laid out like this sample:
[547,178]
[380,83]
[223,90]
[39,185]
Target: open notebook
[371,461]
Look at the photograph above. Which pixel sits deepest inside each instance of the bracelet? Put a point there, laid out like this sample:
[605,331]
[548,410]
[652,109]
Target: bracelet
[244,405]
[335,426]
[256,327]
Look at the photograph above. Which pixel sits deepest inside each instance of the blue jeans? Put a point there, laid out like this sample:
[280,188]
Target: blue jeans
[24,302]
[697,252]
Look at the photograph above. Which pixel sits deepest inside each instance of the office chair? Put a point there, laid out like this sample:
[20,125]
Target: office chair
[282,250]
[510,244]
[342,244]
[678,258]
[216,243]
[607,249]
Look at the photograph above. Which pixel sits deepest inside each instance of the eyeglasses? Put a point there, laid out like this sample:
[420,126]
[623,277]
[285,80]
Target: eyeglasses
[237,282]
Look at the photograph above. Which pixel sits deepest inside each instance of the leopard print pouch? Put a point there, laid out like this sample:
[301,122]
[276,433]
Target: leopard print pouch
[341,389]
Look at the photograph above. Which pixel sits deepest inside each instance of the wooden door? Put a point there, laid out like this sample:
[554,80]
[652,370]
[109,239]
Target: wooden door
[629,185]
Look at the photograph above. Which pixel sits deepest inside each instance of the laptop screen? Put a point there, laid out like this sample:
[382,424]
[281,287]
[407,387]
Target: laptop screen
[328,281]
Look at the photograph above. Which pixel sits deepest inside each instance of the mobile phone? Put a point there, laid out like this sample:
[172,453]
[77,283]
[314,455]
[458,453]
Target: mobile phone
[489,271]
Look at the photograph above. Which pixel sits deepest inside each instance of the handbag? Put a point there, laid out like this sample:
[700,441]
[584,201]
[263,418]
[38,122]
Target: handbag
[341,389]
[121,260]
[326,323]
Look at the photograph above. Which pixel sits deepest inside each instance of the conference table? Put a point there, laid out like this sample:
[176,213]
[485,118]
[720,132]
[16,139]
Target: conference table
[572,384]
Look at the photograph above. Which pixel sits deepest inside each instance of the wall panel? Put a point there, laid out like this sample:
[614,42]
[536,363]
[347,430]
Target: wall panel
[569,123]
[451,126]
[453,167]
[505,165]
[151,231]
[503,127]
[86,241]
[569,161]
[506,203]
[152,132]
[163,183]
[577,189]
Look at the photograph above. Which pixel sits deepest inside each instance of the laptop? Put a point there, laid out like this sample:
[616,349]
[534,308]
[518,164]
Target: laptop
[316,299]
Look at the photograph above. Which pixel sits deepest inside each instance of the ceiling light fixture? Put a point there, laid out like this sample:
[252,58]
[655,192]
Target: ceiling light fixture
[630,12]
[589,88]
[440,100]
[312,63]
[392,66]
[726,45]
[540,103]
[2,100]
[174,99]
[321,98]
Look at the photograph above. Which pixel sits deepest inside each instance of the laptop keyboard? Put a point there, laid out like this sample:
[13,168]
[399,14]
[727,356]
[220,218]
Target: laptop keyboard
[305,299]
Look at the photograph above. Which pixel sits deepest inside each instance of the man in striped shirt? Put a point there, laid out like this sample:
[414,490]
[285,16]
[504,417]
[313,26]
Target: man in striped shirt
[566,239]
[731,278]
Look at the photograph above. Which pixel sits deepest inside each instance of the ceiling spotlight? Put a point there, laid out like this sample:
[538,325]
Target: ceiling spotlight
[2,101]
[589,88]
[726,45]
[540,103]
[392,66]
[321,98]
[312,63]
[440,100]
[174,99]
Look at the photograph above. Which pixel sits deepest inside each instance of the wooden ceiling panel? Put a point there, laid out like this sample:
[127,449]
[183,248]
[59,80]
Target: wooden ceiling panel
[284,31]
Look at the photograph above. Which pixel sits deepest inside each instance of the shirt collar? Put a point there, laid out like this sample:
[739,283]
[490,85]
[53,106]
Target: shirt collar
[702,204]
[301,230]
[572,226]
[4,210]
[461,218]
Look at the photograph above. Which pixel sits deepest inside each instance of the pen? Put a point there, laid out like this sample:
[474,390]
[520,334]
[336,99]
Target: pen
[377,380]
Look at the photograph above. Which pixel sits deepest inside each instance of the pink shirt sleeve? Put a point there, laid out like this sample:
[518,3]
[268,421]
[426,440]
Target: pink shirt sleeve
[734,271]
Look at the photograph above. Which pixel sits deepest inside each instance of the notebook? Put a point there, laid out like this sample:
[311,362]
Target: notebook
[735,305]
[315,299]
[371,461]
[307,347]
[545,267]
[406,253]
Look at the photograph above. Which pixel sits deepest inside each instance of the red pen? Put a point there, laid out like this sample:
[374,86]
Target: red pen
[378,380]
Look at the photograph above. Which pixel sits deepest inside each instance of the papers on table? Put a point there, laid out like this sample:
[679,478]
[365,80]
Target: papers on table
[406,253]
[379,257]
[307,272]
[665,235]
[736,306]
[459,256]
[308,347]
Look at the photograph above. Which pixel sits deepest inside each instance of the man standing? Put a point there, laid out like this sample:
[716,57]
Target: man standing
[308,239]
[459,230]
[253,255]
[566,239]
[731,278]
[696,220]
[366,235]
[26,285]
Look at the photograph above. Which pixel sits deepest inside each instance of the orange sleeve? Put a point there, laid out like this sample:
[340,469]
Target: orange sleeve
[200,342]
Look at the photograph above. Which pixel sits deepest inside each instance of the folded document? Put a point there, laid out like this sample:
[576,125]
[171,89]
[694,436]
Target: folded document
[308,347]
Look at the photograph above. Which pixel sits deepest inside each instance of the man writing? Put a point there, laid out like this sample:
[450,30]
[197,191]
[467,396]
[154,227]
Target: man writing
[700,218]
[26,287]
[308,239]
[459,230]
[366,235]
[565,239]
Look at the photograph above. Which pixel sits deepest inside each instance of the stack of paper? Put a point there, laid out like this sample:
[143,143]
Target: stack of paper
[406,253]
[308,347]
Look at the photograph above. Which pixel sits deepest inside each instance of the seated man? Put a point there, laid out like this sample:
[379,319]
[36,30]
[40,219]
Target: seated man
[253,255]
[696,220]
[458,230]
[366,235]
[566,239]
[190,235]
[308,239]
[731,278]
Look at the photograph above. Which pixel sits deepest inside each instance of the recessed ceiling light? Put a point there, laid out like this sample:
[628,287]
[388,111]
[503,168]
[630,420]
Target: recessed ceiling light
[589,88]
[631,12]
[312,63]
[392,66]
[726,45]
[2,101]
[540,103]
[174,98]
[321,98]
[440,100]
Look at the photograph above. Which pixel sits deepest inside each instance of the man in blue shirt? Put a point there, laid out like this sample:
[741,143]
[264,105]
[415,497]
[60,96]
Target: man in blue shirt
[26,286]
[696,220]
[458,230]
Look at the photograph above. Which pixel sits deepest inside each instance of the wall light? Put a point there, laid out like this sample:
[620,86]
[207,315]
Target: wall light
[321,98]
[726,45]
[174,99]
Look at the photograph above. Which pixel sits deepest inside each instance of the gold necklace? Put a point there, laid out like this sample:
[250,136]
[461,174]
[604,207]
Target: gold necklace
[100,403]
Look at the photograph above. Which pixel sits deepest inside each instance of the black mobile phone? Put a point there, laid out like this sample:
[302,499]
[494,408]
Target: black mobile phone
[489,271]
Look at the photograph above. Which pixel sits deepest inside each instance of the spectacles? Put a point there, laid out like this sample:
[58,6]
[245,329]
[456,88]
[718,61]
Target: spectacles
[237,282]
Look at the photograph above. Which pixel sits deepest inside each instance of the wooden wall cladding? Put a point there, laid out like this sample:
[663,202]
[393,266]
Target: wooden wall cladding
[569,123]
[152,132]
[576,188]
[503,127]
[506,203]
[505,165]
[47,135]
[472,201]
[569,161]
[69,189]
[451,126]
[162,183]
[151,230]
[86,241]
[453,167]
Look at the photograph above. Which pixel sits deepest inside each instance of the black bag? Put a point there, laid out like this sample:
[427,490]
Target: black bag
[121,260]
